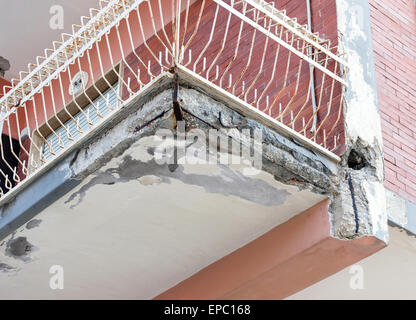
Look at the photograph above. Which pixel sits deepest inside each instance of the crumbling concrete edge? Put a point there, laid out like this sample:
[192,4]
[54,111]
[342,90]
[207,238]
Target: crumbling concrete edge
[360,209]
[283,157]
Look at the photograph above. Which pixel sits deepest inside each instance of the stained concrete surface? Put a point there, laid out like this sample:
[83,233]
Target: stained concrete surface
[144,233]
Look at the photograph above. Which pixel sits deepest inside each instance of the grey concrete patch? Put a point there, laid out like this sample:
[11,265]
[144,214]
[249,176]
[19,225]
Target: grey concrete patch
[396,208]
[411,216]
[402,212]
[5,268]
[33,224]
[20,248]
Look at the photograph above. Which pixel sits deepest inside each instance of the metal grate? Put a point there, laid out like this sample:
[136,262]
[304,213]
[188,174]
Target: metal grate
[81,123]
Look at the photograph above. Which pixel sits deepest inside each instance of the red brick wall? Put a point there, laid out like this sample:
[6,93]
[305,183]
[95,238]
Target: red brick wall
[394,40]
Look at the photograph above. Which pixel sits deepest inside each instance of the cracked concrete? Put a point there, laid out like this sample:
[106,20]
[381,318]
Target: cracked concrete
[354,192]
[284,158]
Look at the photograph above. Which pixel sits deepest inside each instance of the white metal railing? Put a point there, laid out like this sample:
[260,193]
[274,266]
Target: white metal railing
[247,48]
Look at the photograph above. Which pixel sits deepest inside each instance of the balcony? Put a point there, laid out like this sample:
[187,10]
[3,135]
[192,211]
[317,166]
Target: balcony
[267,64]
[81,186]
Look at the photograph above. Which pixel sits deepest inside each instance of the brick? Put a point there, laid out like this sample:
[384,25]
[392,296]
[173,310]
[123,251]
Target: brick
[394,43]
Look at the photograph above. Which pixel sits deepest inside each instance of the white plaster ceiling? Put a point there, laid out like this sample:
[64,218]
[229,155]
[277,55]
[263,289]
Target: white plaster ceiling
[25,30]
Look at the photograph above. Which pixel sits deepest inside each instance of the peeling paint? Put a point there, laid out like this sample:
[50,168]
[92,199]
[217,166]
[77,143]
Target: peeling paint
[228,182]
